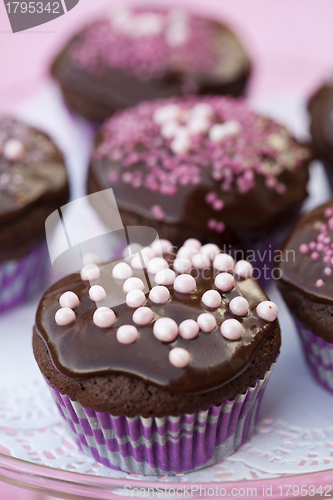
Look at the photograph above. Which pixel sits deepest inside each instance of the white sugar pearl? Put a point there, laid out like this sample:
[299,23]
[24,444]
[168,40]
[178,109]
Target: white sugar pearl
[231,329]
[165,329]
[202,109]
[157,264]
[267,310]
[165,277]
[187,252]
[13,149]
[182,265]
[64,316]
[207,322]
[198,125]
[96,293]
[91,258]
[185,283]
[104,317]
[69,299]
[143,316]
[161,247]
[201,261]
[132,249]
[139,262]
[166,113]
[224,262]
[181,143]
[159,295]
[169,129]
[127,334]
[90,272]
[221,131]
[212,299]
[135,298]
[188,329]
[239,306]
[179,357]
[133,284]
[224,282]
[193,242]
[122,271]
[211,250]
[243,269]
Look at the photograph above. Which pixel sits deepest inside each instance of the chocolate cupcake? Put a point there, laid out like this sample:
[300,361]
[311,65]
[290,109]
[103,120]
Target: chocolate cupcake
[141,54]
[203,167]
[306,285]
[33,183]
[155,369]
[320,108]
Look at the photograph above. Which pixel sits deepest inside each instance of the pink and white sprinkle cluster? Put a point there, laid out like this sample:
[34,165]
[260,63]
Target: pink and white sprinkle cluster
[191,255]
[322,247]
[147,44]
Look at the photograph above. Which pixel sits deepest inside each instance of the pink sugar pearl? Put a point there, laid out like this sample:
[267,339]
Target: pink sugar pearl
[231,329]
[161,247]
[188,329]
[90,272]
[135,298]
[179,357]
[127,334]
[187,252]
[97,292]
[64,316]
[133,283]
[211,250]
[207,322]
[132,249]
[224,282]
[157,264]
[159,294]
[91,258]
[165,277]
[122,271]
[320,283]
[13,149]
[328,271]
[201,261]
[239,306]
[303,248]
[143,316]
[224,262]
[212,299]
[185,283]
[182,265]
[104,317]
[165,329]
[243,269]
[69,299]
[140,262]
[267,310]
[193,242]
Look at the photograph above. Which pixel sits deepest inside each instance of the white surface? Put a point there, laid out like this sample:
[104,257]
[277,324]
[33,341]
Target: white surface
[295,433]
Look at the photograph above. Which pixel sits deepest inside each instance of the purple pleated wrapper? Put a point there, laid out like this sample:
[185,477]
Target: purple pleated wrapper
[21,278]
[319,356]
[168,445]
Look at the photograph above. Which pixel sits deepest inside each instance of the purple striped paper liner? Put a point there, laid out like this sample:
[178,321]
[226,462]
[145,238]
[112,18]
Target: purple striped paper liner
[319,356]
[21,278]
[156,446]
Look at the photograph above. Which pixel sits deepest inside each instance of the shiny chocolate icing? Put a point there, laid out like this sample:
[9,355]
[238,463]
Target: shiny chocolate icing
[82,350]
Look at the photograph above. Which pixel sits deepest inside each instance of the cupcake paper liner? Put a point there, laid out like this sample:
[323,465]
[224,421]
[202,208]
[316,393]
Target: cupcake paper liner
[20,278]
[319,355]
[154,446]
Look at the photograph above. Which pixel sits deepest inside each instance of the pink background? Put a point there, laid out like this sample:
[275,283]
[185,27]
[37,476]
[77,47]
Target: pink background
[290,43]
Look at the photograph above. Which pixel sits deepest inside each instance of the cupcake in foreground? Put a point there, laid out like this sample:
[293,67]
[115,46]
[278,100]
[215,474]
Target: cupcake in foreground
[158,365]
[203,167]
[141,54]
[306,285]
[33,183]
[320,108]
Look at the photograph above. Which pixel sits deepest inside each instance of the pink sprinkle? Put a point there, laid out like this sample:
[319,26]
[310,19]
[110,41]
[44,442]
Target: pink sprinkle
[165,329]
[122,271]
[193,242]
[211,250]
[133,284]
[182,265]
[231,329]
[13,149]
[319,283]
[188,329]
[224,262]
[97,293]
[330,223]
[212,299]
[218,205]
[328,212]
[224,282]
[113,176]
[64,316]
[135,298]
[267,310]
[303,248]
[327,240]
[314,255]
[159,295]
[219,227]
[211,224]
[244,269]
[320,246]
[184,283]
[104,317]
[323,228]
[127,334]
[143,316]
[165,277]
[239,306]
[210,198]
[328,271]
[312,245]
[158,212]
[201,261]
[157,264]
[179,357]
[332,261]
[206,322]
[69,299]
[327,259]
